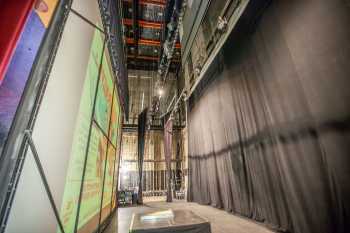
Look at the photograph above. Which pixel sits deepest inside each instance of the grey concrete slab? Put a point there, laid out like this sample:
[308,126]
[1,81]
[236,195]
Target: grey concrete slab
[221,221]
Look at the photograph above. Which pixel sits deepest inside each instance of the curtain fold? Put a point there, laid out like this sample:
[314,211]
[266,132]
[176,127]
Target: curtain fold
[141,131]
[168,135]
[269,132]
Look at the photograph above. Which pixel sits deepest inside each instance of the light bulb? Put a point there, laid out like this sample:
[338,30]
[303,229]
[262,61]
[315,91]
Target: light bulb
[160,92]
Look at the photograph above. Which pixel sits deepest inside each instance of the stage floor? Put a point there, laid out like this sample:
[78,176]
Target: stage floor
[221,221]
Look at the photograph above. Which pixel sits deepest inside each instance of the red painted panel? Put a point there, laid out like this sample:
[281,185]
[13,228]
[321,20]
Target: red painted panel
[13,17]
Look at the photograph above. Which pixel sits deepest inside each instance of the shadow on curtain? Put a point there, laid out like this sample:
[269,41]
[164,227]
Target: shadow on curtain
[269,128]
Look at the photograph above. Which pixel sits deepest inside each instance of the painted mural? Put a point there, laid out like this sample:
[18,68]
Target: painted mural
[12,87]
[102,146]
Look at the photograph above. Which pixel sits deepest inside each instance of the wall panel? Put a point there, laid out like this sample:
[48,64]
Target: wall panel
[72,134]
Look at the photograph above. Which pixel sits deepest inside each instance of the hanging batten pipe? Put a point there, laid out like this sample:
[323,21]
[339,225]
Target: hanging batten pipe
[176,103]
[172,100]
[176,20]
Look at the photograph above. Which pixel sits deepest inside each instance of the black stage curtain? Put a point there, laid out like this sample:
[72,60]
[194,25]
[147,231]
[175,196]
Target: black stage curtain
[141,131]
[269,128]
[168,142]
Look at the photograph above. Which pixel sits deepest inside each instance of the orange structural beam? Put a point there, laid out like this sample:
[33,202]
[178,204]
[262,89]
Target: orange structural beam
[149,58]
[145,24]
[144,57]
[130,40]
[127,21]
[143,42]
[148,42]
[161,3]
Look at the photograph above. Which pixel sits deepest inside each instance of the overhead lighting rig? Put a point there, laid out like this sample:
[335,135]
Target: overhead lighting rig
[171,38]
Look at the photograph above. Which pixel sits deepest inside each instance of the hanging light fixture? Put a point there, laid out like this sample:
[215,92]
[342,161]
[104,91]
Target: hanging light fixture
[160,92]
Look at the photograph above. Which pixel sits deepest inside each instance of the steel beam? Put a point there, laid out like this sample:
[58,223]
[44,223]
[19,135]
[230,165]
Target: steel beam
[160,3]
[150,58]
[148,42]
[143,23]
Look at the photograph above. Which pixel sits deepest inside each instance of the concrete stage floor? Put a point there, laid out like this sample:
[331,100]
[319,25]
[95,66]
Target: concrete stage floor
[221,221]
